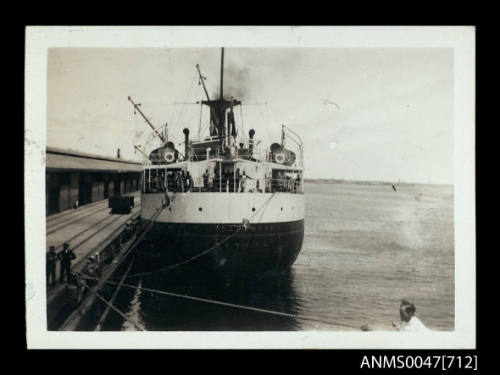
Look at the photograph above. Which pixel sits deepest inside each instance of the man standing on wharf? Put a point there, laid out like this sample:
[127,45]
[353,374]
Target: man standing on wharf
[51,266]
[65,256]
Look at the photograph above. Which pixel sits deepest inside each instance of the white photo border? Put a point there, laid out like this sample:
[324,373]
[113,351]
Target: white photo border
[460,38]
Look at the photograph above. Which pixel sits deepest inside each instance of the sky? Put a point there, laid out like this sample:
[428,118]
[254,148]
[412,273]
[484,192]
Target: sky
[375,114]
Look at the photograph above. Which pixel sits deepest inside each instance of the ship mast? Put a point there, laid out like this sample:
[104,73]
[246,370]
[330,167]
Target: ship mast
[218,107]
[136,106]
[222,74]
[202,80]
[221,107]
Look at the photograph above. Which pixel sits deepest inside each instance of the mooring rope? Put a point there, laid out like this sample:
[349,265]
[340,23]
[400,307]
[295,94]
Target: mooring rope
[216,245]
[136,324]
[115,293]
[146,228]
[199,299]
[227,304]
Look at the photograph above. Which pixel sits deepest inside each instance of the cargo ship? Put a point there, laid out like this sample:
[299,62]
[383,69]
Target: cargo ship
[224,203]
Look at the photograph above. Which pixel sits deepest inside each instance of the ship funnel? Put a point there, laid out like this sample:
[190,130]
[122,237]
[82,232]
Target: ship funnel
[251,133]
[186,140]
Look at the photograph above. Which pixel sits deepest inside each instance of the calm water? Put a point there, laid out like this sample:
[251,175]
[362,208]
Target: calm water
[366,247]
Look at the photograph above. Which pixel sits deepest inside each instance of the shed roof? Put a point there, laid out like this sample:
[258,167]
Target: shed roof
[68,160]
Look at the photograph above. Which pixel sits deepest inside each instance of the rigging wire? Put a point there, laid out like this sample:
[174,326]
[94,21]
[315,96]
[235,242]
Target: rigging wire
[242,125]
[214,89]
[199,125]
[183,106]
[205,127]
[266,122]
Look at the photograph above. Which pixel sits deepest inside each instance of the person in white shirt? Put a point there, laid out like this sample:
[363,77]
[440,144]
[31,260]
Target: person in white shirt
[243,181]
[409,322]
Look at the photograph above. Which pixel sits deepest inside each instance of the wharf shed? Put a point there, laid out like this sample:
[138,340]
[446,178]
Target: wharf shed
[72,176]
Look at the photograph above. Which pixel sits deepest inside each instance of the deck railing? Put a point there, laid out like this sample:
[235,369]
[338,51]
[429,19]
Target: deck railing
[220,185]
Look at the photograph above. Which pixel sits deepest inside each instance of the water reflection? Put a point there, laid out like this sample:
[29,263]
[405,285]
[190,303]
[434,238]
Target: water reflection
[168,313]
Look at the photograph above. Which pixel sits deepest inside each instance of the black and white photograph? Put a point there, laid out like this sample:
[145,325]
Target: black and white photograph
[250,187]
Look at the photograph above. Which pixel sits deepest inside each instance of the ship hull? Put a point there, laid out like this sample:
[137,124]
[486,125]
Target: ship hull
[235,251]
[239,235]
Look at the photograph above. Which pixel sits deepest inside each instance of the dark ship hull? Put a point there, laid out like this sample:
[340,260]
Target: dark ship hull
[229,251]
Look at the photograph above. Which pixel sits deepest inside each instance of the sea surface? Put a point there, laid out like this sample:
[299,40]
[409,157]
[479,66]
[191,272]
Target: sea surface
[366,247]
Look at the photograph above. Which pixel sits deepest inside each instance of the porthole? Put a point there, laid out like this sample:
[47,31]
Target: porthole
[200,209]
[170,208]
[281,208]
[253,209]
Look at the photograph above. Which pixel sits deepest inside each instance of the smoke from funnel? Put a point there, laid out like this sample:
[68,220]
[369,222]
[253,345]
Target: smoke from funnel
[236,83]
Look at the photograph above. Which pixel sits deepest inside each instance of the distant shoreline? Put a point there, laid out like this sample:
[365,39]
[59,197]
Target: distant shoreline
[358,182]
